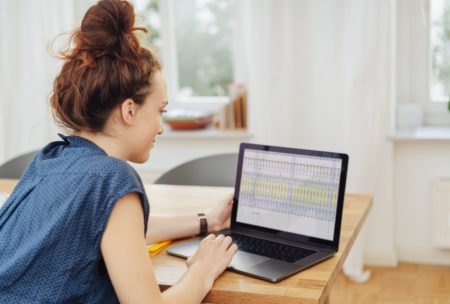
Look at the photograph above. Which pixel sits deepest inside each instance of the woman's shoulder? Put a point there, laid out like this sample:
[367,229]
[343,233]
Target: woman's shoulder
[114,169]
[77,155]
[108,165]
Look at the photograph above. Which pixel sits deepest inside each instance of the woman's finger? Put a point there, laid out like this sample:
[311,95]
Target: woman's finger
[220,238]
[232,250]
[226,242]
[210,237]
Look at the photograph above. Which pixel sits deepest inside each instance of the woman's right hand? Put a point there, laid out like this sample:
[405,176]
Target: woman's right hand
[214,254]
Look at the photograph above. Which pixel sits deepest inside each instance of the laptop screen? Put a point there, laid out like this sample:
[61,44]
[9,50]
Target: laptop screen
[292,192]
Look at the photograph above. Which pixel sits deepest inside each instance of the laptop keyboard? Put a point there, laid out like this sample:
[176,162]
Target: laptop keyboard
[270,249]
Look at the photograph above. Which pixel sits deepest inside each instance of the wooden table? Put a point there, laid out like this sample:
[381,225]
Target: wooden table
[312,285]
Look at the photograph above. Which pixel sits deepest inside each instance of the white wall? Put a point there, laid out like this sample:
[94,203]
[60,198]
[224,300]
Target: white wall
[417,164]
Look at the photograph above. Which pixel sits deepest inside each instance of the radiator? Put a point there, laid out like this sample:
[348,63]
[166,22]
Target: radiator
[441,212]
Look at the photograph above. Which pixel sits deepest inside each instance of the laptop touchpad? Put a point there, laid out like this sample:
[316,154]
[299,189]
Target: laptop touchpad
[244,260]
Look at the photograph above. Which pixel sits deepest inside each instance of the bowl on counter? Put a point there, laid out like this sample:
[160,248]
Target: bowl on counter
[181,119]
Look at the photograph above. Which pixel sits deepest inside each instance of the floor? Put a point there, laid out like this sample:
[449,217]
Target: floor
[407,283]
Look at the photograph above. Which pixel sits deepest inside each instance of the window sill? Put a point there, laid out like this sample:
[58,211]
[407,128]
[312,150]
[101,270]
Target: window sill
[425,133]
[208,133]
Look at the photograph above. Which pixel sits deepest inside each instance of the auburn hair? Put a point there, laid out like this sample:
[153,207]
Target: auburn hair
[105,66]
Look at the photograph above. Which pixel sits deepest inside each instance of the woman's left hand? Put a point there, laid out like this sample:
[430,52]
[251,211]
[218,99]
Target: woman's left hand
[218,217]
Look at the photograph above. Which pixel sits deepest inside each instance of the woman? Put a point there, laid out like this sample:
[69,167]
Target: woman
[74,228]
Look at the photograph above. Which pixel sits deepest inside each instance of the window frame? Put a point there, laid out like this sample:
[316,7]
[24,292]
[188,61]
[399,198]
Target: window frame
[170,66]
[439,99]
[414,65]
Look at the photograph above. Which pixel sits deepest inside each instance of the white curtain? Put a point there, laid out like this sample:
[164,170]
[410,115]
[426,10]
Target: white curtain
[27,70]
[318,77]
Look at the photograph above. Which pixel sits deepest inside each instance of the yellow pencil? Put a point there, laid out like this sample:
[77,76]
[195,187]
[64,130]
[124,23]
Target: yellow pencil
[156,248]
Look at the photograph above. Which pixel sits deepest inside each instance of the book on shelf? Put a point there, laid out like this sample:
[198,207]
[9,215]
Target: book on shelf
[233,115]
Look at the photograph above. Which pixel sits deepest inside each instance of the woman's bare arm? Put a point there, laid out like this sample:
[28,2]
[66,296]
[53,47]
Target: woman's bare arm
[130,268]
[170,227]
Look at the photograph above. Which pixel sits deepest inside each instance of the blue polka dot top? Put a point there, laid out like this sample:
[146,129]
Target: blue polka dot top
[52,224]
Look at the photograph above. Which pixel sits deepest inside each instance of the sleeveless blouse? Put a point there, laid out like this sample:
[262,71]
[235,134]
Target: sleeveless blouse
[52,224]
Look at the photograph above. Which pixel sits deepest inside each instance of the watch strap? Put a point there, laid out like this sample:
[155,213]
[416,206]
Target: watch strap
[203,224]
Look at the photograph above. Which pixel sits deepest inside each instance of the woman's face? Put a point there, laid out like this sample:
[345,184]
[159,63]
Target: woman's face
[148,123]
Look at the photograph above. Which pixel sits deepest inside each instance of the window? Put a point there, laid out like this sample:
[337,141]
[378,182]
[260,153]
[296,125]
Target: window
[148,16]
[423,58]
[440,50]
[194,41]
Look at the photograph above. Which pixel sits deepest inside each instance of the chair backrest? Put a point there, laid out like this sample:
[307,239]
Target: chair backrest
[15,167]
[215,170]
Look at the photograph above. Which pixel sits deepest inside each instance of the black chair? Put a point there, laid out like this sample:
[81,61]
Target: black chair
[215,170]
[15,167]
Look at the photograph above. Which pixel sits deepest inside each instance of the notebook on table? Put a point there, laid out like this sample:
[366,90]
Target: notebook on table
[287,210]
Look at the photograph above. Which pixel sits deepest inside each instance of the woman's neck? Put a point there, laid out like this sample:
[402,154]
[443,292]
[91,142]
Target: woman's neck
[111,144]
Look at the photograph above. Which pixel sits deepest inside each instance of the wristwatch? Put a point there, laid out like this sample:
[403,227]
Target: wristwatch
[203,224]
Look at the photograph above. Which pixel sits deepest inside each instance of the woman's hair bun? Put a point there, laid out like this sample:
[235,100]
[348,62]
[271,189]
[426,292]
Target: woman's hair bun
[107,27]
[104,65]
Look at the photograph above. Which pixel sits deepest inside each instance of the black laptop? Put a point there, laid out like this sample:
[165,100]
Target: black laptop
[287,210]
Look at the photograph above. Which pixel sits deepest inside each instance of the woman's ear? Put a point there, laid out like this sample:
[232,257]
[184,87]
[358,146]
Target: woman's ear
[128,111]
